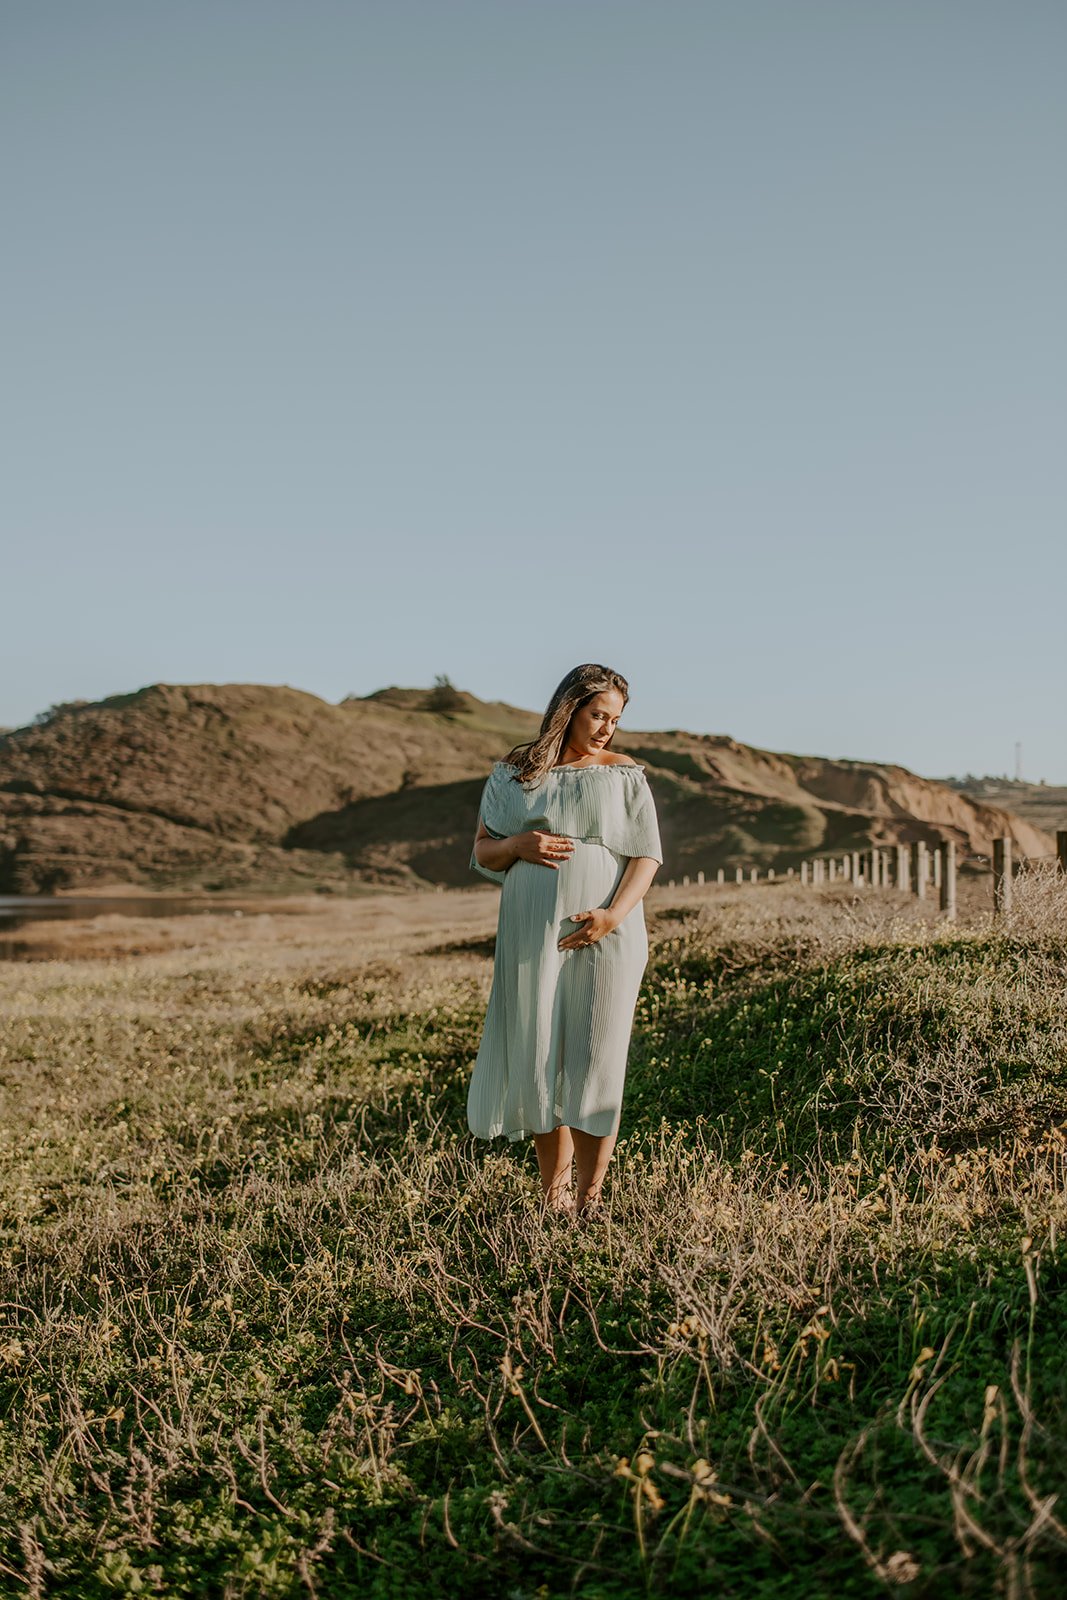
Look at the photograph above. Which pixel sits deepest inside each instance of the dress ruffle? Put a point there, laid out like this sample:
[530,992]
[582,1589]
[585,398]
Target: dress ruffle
[610,805]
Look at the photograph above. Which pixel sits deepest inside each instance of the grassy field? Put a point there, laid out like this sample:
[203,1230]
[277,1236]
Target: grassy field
[272,1325]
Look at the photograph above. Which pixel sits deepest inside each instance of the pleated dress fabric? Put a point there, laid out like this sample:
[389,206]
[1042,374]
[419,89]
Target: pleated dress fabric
[557,1028]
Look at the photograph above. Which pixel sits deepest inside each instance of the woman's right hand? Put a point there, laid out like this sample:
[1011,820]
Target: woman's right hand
[543,849]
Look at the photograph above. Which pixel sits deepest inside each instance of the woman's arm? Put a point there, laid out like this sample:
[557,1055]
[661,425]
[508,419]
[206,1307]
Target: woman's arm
[543,849]
[633,886]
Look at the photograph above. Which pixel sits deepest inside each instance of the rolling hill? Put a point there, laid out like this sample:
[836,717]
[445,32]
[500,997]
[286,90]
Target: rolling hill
[244,786]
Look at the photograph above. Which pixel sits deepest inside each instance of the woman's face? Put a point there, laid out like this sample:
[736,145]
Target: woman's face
[593,725]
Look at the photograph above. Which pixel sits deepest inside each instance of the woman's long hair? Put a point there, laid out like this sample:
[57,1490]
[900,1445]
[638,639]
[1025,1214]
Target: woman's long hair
[534,758]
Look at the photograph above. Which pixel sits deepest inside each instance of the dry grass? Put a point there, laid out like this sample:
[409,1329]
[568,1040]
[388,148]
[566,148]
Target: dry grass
[272,1325]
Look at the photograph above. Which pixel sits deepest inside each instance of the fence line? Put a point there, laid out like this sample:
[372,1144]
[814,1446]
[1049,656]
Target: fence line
[1005,870]
[914,869]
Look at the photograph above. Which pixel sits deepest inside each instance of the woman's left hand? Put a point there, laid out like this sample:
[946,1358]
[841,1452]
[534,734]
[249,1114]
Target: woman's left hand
[595,924]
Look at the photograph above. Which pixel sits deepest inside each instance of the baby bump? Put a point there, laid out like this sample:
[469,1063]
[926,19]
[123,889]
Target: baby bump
[588,879]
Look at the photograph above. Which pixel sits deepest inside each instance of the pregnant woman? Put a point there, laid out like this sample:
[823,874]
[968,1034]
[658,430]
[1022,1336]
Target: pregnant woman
[569,829]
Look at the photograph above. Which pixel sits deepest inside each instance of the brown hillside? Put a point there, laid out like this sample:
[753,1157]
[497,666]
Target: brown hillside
[725,804]
[246,786]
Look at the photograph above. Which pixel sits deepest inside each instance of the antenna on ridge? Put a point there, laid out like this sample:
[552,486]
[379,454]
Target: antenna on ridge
[1018,761]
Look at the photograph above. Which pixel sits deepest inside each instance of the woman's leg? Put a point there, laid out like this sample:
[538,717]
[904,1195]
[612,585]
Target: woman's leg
[591,1158]
[555,1153]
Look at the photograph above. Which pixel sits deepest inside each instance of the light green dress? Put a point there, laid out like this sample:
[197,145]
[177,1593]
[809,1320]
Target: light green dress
[557,1029]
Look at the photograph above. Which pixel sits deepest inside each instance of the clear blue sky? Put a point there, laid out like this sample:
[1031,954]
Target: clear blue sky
[348,343]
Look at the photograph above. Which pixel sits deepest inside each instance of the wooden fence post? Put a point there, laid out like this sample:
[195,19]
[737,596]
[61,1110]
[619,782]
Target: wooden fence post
[804,873]
[1002,873]
[770,874]
[937,867]
[685,880]
[918,868]
[739,875]
[700,877]
[948,880]
[1061,849]
[720,876]
[902,868]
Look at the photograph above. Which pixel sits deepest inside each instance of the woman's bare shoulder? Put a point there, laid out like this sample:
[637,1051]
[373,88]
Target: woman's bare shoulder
[620,760]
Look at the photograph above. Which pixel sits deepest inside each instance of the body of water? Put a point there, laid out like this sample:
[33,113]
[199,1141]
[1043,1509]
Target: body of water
[17,910]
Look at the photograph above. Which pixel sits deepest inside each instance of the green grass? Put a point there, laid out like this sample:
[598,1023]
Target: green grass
[273,1325]
[959,1039]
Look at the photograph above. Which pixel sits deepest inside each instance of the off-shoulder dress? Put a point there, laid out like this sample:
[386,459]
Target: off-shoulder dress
[557,1029]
